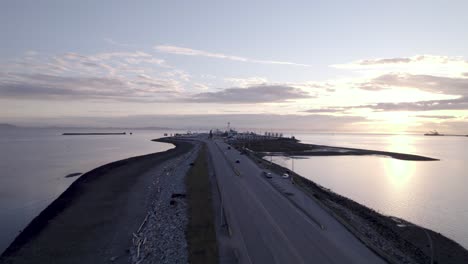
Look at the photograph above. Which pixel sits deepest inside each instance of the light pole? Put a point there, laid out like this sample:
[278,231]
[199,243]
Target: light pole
[292,161]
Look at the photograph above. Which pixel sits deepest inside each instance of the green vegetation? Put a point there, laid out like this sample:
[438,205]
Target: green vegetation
[201,234]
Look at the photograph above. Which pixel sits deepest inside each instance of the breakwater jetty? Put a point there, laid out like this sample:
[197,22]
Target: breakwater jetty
[93,134]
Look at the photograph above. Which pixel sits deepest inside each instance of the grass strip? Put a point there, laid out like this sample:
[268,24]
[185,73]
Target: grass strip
[201,233]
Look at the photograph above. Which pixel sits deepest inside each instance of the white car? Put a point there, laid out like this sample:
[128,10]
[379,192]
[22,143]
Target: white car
[285,175]
[267,174]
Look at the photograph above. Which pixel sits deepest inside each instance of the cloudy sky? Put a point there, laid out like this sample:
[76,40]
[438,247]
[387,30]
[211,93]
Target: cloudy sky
[353,66]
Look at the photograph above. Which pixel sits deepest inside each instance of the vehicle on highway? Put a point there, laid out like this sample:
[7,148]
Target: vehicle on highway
[285,175]
[237,161]
[229,147]
[267,174]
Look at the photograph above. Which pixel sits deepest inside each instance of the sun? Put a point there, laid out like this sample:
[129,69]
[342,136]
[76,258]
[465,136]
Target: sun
[393,122]
[398,118]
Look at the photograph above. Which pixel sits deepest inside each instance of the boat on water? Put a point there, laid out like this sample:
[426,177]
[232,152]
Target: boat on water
[433,133]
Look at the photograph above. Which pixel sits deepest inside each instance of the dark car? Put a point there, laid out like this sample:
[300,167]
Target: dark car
[229,147]
[237,161]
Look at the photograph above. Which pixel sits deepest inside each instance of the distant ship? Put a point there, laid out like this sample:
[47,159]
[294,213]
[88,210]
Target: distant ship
[433,133]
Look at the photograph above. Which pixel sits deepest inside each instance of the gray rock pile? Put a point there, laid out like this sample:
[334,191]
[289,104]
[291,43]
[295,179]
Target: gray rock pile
[161,236]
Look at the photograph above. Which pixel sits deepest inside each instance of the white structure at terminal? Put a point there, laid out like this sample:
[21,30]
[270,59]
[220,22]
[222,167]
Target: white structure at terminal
[231,133]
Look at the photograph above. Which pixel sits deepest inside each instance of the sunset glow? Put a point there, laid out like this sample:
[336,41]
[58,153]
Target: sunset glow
[146,78]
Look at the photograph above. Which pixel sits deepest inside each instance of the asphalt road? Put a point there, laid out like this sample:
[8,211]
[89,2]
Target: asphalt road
[271,221]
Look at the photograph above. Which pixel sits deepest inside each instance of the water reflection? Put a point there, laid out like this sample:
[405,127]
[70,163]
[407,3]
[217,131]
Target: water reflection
[401,143]
[398,172]
[430,193]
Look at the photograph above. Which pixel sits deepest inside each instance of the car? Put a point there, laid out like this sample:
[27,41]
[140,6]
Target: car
[237,161]
[285,175]
[267,174]
[229,147]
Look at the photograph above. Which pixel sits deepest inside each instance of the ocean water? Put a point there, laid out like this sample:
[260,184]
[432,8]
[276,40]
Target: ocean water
[34,163]
[432,194]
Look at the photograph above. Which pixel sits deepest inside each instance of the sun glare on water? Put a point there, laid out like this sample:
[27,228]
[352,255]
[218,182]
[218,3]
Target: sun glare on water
[399,172]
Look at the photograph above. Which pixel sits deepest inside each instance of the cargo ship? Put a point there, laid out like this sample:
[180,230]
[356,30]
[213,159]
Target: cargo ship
[433,133]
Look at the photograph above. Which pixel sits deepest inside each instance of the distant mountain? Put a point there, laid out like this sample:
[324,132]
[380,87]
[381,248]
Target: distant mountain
[10,126]
[5,126]
[153,128]
[111,128]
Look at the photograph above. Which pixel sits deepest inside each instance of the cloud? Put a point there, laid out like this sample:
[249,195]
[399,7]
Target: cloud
[126,76]
[440,76]
[437,116]
[201,86]
[74,64]
[43,86]
[453,104]
[326,110]
[443,66]
[253,94]
[405,62]
[372,86]
[193,52]
[123,76]
[430,83]
[245,82]
[384,61]
[455,86]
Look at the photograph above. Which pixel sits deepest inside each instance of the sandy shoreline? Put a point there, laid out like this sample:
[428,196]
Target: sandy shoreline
[94,219]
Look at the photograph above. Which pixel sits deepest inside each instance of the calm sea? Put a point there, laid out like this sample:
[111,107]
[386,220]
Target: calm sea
[428,193]
[34,163]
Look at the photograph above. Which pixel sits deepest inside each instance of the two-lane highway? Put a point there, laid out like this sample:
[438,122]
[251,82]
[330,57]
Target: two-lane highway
[268,227]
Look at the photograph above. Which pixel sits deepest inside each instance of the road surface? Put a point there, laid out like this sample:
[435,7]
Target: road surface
[271,221]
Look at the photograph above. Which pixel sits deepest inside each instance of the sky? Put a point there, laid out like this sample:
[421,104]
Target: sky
[336,66]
